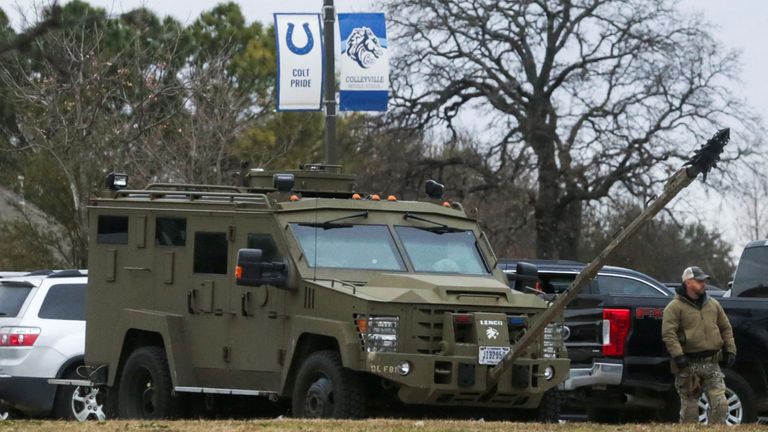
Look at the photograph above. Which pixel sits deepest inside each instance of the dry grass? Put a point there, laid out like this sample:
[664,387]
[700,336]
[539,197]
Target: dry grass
[378,425]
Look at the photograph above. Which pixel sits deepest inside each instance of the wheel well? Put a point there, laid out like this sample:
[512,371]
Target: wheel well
[70,365]
[750,364]
[135,339]
[307,344]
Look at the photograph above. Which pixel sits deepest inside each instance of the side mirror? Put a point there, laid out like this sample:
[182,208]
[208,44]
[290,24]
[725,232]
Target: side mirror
[253,271]
[526,276]
[434,189]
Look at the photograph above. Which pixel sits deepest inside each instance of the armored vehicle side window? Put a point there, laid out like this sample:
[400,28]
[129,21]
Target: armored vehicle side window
[170,231]
[210,253]
[441,251]
[266,243]
[112,230]
[362,247]
[64,302]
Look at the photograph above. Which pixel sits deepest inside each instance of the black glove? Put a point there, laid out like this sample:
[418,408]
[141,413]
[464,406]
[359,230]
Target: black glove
[681,362]
[729,359]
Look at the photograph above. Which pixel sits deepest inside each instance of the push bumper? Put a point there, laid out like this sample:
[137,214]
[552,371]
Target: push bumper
[601,373]
[31,396]
[459,380]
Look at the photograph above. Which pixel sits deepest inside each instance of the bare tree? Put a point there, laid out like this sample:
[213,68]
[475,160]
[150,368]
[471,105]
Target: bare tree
[588,94]
[82,109]
[753,201]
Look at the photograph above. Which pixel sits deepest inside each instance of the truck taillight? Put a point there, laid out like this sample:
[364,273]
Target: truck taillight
[616,324]
[18,336]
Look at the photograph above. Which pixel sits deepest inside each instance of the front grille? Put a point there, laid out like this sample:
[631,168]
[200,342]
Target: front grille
[428,329]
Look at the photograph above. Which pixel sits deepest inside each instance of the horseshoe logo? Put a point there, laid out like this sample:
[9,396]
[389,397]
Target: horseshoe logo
[300,50]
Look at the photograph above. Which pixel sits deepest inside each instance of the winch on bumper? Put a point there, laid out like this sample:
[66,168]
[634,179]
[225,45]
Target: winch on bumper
[456,372]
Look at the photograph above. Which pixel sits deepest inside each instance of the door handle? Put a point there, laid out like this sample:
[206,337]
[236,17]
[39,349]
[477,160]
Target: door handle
[137,269]
[245,304]
[191,301]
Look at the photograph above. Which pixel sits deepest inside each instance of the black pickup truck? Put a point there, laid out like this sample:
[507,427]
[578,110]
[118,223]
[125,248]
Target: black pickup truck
[620,366]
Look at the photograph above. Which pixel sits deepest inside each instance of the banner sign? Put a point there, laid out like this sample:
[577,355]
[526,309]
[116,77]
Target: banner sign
[364,62]
[300,65]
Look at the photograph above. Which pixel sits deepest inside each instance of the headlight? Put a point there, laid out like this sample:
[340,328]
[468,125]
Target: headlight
[404,368]
[549,373]
[379,333]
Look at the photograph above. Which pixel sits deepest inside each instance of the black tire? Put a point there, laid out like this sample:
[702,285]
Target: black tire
[740,387]
[146,389]
[550,407]
[324,388]
[78,403]
[604,415]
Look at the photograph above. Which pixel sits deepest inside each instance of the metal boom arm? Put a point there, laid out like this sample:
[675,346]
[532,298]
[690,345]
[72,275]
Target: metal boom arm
[703,160]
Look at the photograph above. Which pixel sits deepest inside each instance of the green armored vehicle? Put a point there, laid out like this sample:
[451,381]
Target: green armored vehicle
[297,287]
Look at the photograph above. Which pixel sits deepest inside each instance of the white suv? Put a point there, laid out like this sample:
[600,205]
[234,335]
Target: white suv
[42,337]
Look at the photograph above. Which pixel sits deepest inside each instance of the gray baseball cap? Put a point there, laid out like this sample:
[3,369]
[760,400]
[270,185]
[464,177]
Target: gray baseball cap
[694,273]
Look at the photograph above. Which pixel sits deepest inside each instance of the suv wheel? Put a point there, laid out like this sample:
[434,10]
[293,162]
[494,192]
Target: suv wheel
[79,403]
[740,398]
[325,389]
[146,389]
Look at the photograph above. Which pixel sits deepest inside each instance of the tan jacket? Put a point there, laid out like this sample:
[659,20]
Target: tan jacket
[688,329]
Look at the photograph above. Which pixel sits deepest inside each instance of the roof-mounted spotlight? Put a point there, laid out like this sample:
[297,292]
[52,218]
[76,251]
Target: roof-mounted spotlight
[434,189]
[283,182]
[117,181]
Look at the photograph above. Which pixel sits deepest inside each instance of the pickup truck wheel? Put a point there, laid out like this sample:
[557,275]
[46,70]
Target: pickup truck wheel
[78,403]
[740,398]
[5,415]
[326,389]
[146,389]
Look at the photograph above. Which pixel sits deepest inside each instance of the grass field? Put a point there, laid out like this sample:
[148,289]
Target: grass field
[378,425]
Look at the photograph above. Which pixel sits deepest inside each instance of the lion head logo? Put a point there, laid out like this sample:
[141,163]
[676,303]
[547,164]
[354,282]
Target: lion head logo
[363,47]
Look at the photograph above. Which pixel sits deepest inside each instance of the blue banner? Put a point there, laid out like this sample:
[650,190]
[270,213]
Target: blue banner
[364,62]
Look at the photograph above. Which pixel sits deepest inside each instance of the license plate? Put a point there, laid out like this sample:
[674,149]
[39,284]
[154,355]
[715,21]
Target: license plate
[492,355]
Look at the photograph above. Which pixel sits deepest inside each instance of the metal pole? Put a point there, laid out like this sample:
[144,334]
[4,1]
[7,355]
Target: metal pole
[329,20]
[702,162]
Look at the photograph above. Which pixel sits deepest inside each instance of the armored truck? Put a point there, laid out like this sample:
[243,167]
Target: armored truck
[297,287]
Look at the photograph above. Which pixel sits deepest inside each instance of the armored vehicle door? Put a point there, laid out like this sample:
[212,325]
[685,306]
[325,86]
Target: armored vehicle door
[206,275]
[257,331]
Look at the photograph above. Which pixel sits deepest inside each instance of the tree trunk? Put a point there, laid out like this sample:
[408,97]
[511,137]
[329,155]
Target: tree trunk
[542,139]
[569,231]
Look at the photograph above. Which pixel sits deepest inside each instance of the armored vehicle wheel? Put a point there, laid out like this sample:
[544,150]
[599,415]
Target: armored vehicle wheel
[145,390]
[325,389]
[548,410]
[79,403]
[604,415]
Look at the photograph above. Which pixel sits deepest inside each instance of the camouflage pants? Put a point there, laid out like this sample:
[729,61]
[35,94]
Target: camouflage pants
[702,376]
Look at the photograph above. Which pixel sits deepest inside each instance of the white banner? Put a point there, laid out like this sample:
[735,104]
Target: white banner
[299,62]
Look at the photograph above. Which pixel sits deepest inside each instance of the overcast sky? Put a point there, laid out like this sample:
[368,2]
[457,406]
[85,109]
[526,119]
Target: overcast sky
[738,24]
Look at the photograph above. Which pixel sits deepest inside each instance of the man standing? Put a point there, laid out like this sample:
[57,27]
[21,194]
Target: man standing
[697,334]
